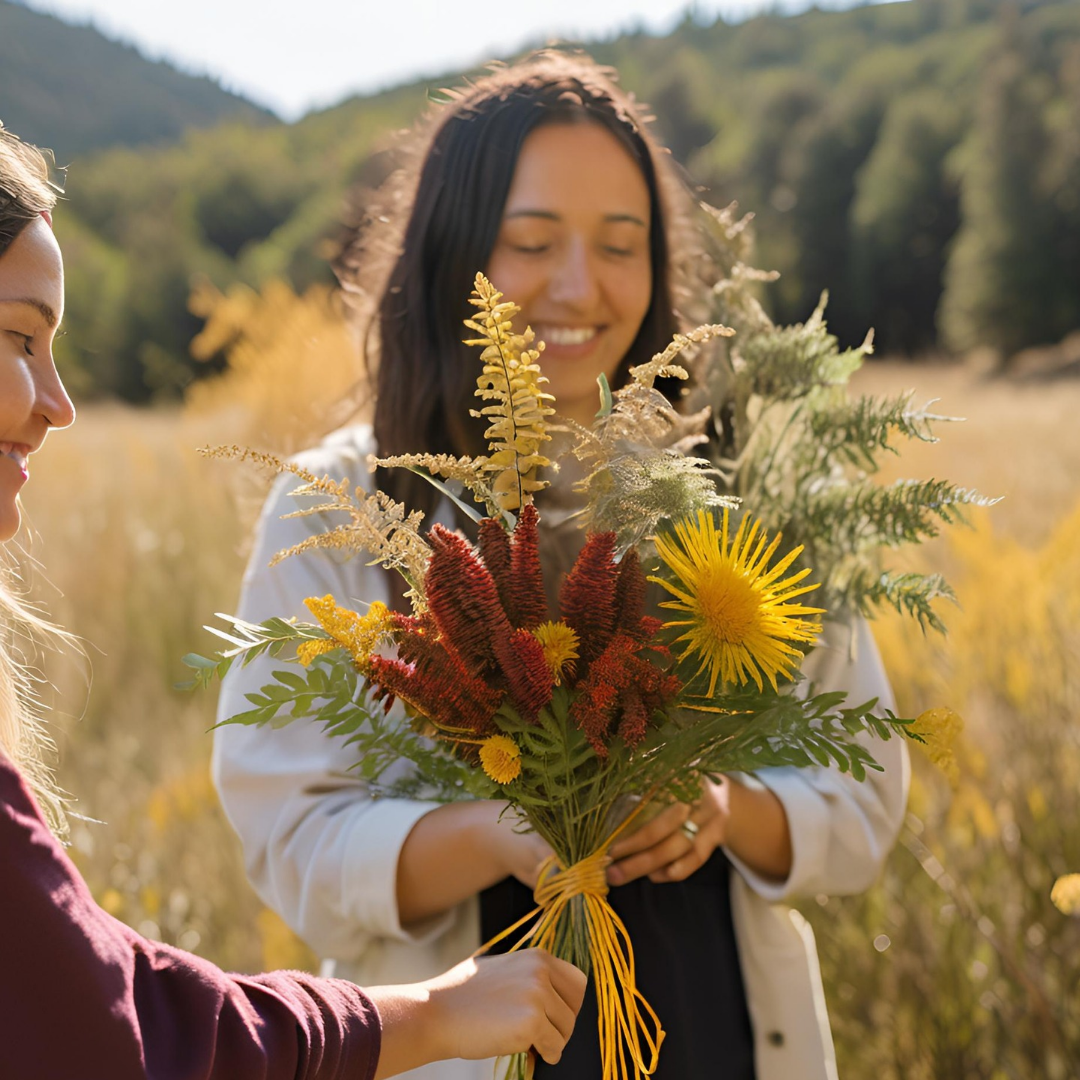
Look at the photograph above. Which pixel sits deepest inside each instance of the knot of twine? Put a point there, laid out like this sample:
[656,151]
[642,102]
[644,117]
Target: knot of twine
[556,884]
[629,1030]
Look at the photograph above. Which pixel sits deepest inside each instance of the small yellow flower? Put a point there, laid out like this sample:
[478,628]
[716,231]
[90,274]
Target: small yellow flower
[738,615]
[939,729]
[560,645]
[359,634]
[1066,894]
[500,758]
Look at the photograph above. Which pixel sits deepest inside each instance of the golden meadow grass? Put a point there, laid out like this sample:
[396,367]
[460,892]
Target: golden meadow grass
[956,964]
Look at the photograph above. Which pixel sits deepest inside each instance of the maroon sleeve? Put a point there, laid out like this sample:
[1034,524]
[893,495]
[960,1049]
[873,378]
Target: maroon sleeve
[82,995]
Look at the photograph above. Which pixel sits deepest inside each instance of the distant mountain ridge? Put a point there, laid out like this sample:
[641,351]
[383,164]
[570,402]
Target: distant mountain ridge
[918,160]
[74,90]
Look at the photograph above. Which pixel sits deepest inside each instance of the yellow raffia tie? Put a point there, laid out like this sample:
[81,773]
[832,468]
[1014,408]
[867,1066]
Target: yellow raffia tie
[625,1020]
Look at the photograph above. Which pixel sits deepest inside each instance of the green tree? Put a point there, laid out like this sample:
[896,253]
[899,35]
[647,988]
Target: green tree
[905,214]
[999,277]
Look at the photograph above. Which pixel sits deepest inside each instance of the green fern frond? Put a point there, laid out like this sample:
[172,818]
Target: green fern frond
[855,431]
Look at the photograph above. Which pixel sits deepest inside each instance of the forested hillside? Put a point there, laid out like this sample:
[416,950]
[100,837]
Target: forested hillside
[920,160]
[74,90]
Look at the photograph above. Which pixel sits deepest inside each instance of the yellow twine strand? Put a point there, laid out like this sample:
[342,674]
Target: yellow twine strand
[628,1027]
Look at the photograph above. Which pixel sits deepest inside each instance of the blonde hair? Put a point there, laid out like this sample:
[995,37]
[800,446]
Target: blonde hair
[26,191]
[23,737]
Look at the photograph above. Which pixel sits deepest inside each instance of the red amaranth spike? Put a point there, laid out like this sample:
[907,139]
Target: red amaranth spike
[463,600]
[494,544]
[635,717]
[630,594]
[596,704]
[527,673]
[528,601]
[587,597]
[448,696]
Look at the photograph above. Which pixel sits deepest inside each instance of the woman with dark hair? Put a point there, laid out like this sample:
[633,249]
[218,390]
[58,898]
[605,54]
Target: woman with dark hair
[81,994]
[543,175]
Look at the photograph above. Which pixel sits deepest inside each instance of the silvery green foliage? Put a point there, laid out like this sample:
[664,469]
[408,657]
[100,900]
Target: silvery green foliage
[787,437]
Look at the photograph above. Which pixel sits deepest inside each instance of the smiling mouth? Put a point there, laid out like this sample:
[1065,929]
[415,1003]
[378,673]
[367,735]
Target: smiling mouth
[566,335]
[16,452]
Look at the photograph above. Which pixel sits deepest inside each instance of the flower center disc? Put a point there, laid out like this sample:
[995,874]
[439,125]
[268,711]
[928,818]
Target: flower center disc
[728,605]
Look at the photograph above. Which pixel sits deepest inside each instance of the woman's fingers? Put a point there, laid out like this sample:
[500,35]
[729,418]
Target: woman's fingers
[569,981]
[647,863]
[676,843]
[665,824]
[506,1004]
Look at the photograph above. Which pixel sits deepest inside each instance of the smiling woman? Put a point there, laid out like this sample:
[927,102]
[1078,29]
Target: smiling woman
[544,176]
[84,995]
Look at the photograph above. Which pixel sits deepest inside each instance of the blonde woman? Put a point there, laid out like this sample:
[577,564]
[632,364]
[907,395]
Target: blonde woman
[81,994]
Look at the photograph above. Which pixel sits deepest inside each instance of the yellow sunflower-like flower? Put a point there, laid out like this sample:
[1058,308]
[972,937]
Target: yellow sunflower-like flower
[737,612]
[500,758]
[939,730]
[359,634]
[1066,894]
[560,645]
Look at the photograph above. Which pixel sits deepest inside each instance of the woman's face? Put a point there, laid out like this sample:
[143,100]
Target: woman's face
[573,252]
[32,398]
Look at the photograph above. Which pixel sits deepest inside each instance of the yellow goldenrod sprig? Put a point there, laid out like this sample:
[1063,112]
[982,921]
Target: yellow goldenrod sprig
[512,380]
[358,634]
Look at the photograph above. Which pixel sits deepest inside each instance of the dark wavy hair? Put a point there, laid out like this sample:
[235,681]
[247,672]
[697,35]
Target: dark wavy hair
[409,259]
[25,189]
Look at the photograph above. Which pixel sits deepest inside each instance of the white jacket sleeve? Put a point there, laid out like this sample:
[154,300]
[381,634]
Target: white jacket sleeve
[318,848]
[842,829]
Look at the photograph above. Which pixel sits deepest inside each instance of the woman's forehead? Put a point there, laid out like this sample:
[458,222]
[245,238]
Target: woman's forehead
[563,166]
[32,272]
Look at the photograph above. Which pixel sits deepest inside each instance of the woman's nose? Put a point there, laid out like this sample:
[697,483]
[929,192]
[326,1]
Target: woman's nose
[574,282]
[53,401]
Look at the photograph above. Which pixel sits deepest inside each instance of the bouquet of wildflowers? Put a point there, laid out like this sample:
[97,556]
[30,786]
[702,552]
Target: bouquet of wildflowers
[579,717]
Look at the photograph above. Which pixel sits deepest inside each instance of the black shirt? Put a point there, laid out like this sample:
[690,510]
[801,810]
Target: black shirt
[687,968]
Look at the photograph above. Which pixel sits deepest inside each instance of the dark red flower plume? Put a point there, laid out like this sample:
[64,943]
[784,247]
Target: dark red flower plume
[587,597]
[528,605]
[463,599]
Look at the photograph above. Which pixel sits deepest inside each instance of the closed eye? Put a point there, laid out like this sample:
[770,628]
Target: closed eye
[27,341]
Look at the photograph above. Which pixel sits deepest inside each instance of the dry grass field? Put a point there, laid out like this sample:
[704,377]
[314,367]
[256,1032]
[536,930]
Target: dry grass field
[956,965]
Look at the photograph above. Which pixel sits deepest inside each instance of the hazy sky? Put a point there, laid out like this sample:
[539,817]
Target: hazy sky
[293,55]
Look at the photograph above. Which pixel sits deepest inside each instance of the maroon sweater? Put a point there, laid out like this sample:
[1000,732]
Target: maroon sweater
[83,997]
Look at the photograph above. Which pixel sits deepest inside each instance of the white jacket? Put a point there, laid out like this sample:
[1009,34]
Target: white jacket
[324,854]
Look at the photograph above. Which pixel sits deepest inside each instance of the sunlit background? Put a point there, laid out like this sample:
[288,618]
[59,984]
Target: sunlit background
[918,159]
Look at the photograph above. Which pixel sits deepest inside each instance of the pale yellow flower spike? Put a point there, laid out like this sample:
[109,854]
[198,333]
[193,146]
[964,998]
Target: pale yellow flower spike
[560,645]
[511,379]
[358,634]
[940,728]
[737,615]
[500,758]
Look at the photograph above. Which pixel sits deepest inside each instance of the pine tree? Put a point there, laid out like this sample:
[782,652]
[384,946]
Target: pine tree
[998,280]
[906,212]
